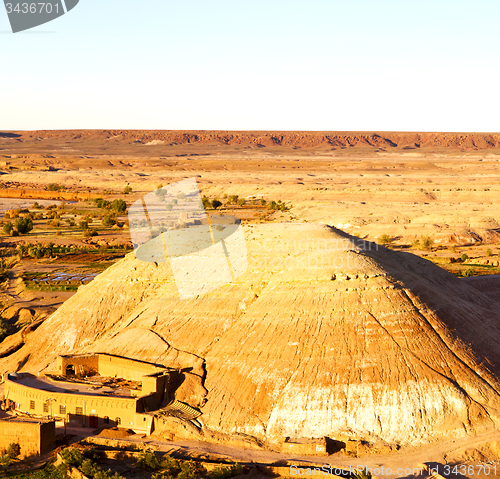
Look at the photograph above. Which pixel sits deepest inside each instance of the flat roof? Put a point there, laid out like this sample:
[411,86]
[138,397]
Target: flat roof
[91,387]
[24,419]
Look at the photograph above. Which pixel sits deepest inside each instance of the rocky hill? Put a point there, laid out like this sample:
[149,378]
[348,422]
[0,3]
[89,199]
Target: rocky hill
[323,335]
[295,139]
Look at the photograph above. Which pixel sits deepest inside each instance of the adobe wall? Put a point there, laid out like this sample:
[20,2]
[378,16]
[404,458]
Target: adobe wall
[112,366]
[111,407]
[34,437]
[83,365]
[309,447]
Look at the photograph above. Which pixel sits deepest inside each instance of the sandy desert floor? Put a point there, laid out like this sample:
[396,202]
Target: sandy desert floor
[449,194]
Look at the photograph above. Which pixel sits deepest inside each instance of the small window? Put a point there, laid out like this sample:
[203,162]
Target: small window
[106,420]
[46,407]
[62,409]
[79,411]
[32,404]
[118,421]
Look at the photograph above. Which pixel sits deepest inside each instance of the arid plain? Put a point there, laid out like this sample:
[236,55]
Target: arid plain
[432,195]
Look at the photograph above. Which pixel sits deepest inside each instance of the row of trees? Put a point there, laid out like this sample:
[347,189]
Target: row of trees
[37,250]
[236,200]
[21,226]
[118,206]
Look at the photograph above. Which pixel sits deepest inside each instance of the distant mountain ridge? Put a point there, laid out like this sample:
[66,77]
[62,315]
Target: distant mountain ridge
[297,139]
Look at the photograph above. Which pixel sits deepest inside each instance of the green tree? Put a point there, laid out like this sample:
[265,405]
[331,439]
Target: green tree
[72,456]
[54,187]
[384,239]
[469,272]
[88,468]
[464,258]
[89,232]
[108,220]
[424,242]
[24,225]
[216,204]
[8,227]
[13,450]
[119,206]
[206,202]
[148,461]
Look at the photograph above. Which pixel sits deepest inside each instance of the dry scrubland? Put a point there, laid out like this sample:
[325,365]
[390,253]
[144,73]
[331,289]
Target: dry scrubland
[435,195]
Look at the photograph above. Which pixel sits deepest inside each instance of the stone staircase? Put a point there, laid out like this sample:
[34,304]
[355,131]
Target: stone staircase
[179,409]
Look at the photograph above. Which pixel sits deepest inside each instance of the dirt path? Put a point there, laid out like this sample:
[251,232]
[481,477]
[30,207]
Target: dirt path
[397,465]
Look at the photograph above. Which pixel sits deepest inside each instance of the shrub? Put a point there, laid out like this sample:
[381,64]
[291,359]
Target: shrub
[4,331]
[24,225]
[89,232]
[233,199]
[424,242]
[108,220]
[170,465]
[364,474]
[83,224]
[225,472]
[241,202]
[127,190]
[148,461]
[119,206]
[464,258]
[489,252]
[100,203]
[88,468]
[384,239]
[13,450]
[54,187]
[72,456]
[5,461]
[190,470]
[161,194]
[8,227]
[206,202]
[469,272]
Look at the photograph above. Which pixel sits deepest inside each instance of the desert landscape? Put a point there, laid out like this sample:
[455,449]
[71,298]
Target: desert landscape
[367,320]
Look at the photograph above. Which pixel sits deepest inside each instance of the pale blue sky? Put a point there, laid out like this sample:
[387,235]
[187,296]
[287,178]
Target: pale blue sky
[270,65]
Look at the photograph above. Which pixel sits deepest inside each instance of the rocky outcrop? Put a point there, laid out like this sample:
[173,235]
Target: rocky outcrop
[323,335]
[295,139]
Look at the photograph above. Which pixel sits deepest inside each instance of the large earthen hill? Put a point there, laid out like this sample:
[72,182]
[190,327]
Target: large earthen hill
[323,335]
